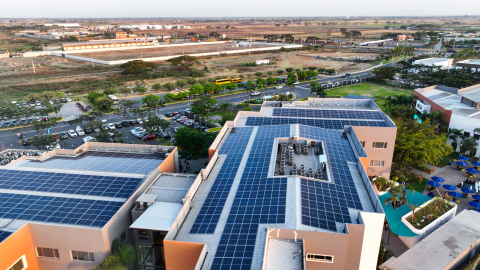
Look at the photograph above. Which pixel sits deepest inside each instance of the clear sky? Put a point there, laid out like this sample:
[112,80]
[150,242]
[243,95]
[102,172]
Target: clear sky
[228,8]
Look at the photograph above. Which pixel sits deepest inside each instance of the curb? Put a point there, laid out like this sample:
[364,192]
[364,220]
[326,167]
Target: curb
[10,128]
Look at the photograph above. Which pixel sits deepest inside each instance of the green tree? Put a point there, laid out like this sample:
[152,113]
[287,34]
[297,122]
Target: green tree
[125,90]
[168,86]
[202,104]
[124,107]
[196,89]
[32,97]
[121,258]
[259,74]
[41,142]
[399,193]
[156,87]
[154,102]
[59,94]
[141,89]
[385,72]
[289,69]
[40,126]
[280,72]
[261,84]
[93,96]
[311,74]
[104,103]
[224,106]
[202,81]
[184,62]
[180,83]
[231,86]
[270,73]
[109,91]
[302,75]
[191,81]
[192,142]
[468,145]
[137,67]
[209,88]
[156,122]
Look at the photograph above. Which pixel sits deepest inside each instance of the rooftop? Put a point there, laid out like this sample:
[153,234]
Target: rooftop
[431,61]
[454,237]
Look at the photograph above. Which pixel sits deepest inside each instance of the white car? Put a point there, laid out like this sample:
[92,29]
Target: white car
[69,100]
[140,121]
[297,82]
[72,133]
[80,132]
[37,103]
[88,139]
[279,87]
[135,129]
[111,126]
[138,131]
[255,93]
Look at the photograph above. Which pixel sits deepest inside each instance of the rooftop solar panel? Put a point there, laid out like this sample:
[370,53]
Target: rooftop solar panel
[57,209]
[322,123]
[102,161]
[80,184]
[336,114]
[4,235]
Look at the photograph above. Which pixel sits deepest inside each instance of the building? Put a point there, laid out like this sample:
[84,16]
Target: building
[109,44]
[119,34]
[404,37]
[461,108]
[474,65]
[63,209]
[442,63]
[377,43]
[288,188]
[450,246]
[63,24]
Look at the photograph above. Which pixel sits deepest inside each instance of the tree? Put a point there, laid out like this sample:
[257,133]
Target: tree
[168,86]
[154,102]
[280,72]
[104,103]
[196,89]
[180,83]
[202,104]
[468,145]
[311,73]
[184,62]
[40,126]
[41,142]
[224,106]
[454,134]
[156,122]
[156,86]
[385,72]
[121,258]
[302,75]
[289,69]
[419,143]
[191,81]
[93,96]
[271,80]
[231,86]
[261,84]
[270,73]
[59,94]
[343,30]
[32,97]
[193,142]
[399,193]
[259,74]
[356,33]
[137,67]
[209,88]
[142,89]
[125,90]
[48,95]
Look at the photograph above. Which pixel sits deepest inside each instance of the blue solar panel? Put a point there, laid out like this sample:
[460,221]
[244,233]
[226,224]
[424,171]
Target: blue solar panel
[344,114]
[328,124]
[4,235]
[102,161]
[234,146]
[95,185]
[57,209]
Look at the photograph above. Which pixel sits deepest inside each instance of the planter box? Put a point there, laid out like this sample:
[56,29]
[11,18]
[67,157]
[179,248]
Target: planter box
[380,193]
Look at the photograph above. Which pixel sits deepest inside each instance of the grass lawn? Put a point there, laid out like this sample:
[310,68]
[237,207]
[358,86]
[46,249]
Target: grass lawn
[451,157]
[221,113]
[381,92]
[419,187]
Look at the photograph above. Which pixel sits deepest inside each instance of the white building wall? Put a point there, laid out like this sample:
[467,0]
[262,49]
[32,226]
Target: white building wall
[467,124]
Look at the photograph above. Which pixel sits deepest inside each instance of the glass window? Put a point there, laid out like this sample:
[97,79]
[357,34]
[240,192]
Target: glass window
[82,256]
[466,134]
[377,163]
[21,264]
[319,258]
[476,136]
[47,253]
[379,145]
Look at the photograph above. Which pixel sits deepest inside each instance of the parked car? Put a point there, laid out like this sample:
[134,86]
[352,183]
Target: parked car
[149,137]
[69,100]
[56,136]
[175,129]
[175,113]
[45,118]
[96,129]
[135,129]
[105,127]
[88,130]
[25,142]
[88,139]
[188,111]
[255,93]
[279,87]
[23,121]
[169,114]
[133,122]
[14,122]
[141,134]
[80,131]
[140,121]
[182,112]
[176,117]
[145,119]
[72,133]
[167,135]
[25,104]
[181,118]
[32,104]
[37,103]
[6,124]
[183,121]
[111,126]
[64,135]
[125,123]
[118,125]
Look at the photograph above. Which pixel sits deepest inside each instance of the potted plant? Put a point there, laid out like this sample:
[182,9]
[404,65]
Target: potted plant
[399,196]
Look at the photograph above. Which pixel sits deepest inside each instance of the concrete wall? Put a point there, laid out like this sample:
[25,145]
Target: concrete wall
[182,255]
[378,134]
[467,124]
[17,245]
[371,239]
[168,165]
[435,107]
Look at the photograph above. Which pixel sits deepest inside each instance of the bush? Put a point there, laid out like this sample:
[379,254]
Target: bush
[109,91]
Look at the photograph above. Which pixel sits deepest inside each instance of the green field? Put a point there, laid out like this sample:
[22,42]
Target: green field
[381,92]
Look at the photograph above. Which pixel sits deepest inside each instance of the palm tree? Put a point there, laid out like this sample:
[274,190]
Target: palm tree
[454,134]
[413,207]
[398,194]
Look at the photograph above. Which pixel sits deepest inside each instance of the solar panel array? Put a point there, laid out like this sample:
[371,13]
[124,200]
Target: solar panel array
[57,209]
[324,203]
[350,96]
[328,124]
[234,146]
[103,161]
[94,185]
[344,114]
[258,200]
[4,235]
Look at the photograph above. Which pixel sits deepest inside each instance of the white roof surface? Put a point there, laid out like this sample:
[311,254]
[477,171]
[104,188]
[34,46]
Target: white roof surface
[284,254]
[432,61]
[158,217]
[435,251]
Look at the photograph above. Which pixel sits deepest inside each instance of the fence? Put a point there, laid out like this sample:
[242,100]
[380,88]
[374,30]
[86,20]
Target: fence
[368,187]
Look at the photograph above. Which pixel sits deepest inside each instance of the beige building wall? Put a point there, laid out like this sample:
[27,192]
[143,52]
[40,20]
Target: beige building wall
[378,134]
[372,237]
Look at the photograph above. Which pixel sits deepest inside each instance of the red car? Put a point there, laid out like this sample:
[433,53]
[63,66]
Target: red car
[184,120]
[149,137]
[46,119]
[175,113]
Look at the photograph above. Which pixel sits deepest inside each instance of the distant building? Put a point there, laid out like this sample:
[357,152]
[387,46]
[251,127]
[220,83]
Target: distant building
[109,43]
[63,24]
[119,34]
[404,37]
[443,63]
[377,43]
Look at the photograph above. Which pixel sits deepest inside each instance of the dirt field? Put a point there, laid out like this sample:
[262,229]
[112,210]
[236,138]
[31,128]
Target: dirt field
[166,51]
[43,64]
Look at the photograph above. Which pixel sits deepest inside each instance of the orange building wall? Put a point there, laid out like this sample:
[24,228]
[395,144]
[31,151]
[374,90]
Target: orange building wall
[14,247]
[181,255]
[168,165]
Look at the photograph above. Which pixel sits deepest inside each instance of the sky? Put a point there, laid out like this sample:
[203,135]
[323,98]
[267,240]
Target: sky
[242,8]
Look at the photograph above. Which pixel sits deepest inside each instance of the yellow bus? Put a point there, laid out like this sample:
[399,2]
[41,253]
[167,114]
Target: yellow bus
[236,80]
[222,81]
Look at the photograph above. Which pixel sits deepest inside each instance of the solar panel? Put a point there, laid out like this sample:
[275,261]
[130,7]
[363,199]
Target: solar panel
[328,124]
[344,114]
[4,235]
[81,184]
[102,161]
[57,209]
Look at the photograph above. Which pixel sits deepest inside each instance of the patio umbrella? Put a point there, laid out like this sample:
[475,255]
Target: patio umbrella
[476,197]
[449,187]
[430,194]
[438,179]
[466,190]
[474,204]
[462,163]
[475,163]
[433,183]
[455,194]
[478,210]
[472,170]
[463,158]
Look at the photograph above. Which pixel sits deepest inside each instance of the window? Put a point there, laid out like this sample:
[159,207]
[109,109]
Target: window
[379,145]
[377,163]
[363,143]
[319,258]
[123,237]
[476,136]
[466,134]
[82,256]
[47,252]
[21,264]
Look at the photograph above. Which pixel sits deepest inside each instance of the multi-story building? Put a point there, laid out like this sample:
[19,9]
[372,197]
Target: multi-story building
[286,188]
[119,34]
[63,209]
[461,108]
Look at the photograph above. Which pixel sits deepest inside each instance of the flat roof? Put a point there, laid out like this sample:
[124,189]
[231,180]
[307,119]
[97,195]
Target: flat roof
[433,60]
[435,251]
[158,217]
[243,194]
[110,41]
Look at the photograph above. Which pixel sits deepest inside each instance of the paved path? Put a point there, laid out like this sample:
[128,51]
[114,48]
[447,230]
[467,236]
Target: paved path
[393,243]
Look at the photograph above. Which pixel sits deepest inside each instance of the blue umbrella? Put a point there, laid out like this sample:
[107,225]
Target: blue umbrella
[472,170]
[455,194]
[430,194]
[438,179]
[474,204]
[433,183]
[478,210]
[463,158]
[449,187]
[475,163]
[476,197]
[462,163]
[466,190]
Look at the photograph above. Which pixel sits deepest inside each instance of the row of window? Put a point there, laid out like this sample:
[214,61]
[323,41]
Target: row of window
[76,255]
[382,145]
[319,258]
[475,136]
